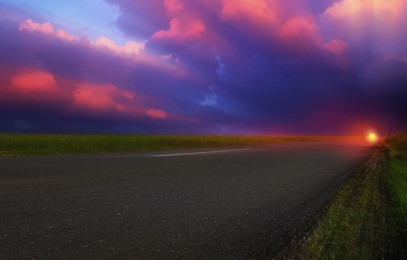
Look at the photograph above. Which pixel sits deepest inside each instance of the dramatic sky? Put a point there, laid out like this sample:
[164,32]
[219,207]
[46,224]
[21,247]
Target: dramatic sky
[203,66]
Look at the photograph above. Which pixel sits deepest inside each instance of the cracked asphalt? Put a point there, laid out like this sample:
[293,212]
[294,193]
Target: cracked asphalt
[236,204]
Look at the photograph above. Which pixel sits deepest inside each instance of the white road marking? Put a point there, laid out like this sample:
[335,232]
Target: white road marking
[200,153]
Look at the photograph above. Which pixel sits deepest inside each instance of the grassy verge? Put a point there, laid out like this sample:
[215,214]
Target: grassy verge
[18,145]
[396,183]
[367,219]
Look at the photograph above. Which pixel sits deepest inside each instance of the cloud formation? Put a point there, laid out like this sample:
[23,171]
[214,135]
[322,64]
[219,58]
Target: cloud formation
[33,82]
[45,28]
[214,66]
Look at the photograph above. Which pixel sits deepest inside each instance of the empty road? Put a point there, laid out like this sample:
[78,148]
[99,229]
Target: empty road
[226,203]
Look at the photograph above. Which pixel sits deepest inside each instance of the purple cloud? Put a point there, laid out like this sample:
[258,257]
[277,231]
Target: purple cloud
[213,66]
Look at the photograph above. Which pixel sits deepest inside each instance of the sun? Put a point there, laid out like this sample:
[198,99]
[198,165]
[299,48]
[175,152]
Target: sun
[372,137]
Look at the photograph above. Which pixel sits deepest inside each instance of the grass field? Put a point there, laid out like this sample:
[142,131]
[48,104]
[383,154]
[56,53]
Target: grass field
[396,183]
[368,217]
[22,145]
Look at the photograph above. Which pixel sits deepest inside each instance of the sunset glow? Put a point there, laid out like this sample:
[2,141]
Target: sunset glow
[372,137]
[205,66]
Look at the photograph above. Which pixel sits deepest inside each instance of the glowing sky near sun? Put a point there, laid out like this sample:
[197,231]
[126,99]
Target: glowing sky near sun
[204,66]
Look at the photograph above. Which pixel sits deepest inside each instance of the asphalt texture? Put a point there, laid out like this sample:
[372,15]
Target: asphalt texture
[235,204]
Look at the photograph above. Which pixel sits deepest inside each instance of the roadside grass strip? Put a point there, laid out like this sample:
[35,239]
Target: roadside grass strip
[396,183]
[26,145]
[367,219]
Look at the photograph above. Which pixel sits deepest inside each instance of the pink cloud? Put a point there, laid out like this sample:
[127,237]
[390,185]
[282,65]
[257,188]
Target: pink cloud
[291,25]
[182,29]
[256,10]
[303,32]
[33,81]
[31,87]
[129,48]
[38,88]
[156,113]
[337,46]
[300,28]
[64,35]
[31,26]
[282,22]
[173,6]
[351,8]
[101,98]
[301,35]
[45,28]
[105,99]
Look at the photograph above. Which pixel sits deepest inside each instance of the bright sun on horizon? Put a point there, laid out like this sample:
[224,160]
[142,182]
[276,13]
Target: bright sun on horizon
[372,137]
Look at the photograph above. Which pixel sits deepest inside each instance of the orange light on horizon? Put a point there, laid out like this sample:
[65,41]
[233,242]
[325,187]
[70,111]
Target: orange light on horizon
[372,137]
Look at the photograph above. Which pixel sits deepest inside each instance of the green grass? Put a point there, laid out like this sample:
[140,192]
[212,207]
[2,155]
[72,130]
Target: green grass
[396,183]
[22,145]
[367,219]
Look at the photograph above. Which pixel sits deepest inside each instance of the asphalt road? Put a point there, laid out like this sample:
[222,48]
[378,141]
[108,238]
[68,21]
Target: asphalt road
[222,204]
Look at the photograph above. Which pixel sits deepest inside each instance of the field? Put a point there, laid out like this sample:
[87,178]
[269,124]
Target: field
[368,217]
[23,145]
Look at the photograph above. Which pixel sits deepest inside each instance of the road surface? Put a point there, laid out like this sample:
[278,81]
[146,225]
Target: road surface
[206,204]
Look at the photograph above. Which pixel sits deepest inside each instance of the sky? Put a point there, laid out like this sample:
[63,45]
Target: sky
[203,66]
